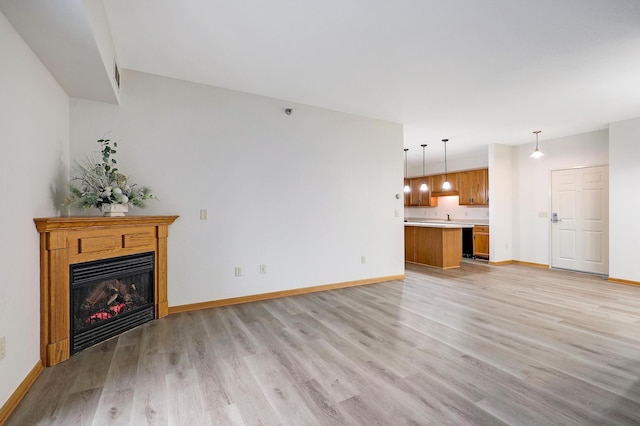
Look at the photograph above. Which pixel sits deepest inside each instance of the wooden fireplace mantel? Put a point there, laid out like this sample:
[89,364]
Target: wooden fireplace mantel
[65,241]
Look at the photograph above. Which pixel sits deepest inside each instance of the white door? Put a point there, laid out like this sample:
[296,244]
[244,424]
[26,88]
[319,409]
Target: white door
[580,219]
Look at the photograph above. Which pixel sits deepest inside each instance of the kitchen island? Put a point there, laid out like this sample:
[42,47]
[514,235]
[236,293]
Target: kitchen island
[437,244]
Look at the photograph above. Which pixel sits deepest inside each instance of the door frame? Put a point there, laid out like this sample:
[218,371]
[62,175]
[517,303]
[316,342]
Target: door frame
[550,213]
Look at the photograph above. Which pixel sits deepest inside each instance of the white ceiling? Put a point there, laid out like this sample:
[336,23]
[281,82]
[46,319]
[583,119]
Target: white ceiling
[476,72]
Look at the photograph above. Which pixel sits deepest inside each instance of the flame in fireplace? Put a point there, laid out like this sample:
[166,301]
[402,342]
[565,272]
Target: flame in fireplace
[108,299]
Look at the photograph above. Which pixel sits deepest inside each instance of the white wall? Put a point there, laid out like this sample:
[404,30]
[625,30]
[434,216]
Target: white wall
[532,186]
[624,204]
[306,194]
[501,203]
[34,130]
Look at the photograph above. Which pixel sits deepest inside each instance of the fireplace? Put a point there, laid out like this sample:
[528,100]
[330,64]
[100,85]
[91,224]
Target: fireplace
[109,297]
[99,276]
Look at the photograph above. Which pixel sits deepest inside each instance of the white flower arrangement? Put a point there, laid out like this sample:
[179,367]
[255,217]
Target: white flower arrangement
[100,182]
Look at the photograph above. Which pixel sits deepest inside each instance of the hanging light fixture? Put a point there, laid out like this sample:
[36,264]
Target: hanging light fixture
[537,153]
[407,188]
[445,185]
[423,187]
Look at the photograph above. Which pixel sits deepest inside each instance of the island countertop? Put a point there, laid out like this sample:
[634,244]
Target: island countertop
[441,224]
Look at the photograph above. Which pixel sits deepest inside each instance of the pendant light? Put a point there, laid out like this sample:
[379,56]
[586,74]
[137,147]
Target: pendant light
[445,185]
[423,187]
[537,153]
[407,188]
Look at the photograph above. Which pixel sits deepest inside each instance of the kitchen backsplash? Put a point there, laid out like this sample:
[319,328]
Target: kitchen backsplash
[447,206]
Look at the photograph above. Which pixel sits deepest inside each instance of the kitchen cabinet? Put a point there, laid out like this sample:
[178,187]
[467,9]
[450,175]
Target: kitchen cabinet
[438,180]
[409,244]
[407,195]
[419,198]
[436,246]
[473,188]
[416,195]
[481,241]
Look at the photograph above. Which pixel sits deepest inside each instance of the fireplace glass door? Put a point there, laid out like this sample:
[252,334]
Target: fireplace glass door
[109,297]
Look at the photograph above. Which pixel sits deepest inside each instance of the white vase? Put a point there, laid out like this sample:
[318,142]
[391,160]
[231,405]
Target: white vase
[114,209]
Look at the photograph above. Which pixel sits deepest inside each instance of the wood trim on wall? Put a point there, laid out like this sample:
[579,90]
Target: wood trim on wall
[16,397]
[534,265]
[502,262]
[278,294]
[519,262]
[621,281]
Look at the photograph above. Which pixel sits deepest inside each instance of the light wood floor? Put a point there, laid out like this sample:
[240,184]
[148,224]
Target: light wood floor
[478,345]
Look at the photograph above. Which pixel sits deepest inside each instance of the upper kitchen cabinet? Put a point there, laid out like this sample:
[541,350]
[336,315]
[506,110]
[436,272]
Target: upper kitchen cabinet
[473,187]
[438,180]
[419,198]
[407,195]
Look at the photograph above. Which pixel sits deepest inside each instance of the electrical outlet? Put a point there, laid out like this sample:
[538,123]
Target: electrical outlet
[466,213]
[238,271]
[263,269]
[363,259]
[203,214]
[3,347]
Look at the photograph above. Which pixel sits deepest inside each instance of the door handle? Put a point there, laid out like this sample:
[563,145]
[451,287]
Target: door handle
[554,218]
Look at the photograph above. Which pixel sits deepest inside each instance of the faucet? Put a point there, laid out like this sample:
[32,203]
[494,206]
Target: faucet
[448,218]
